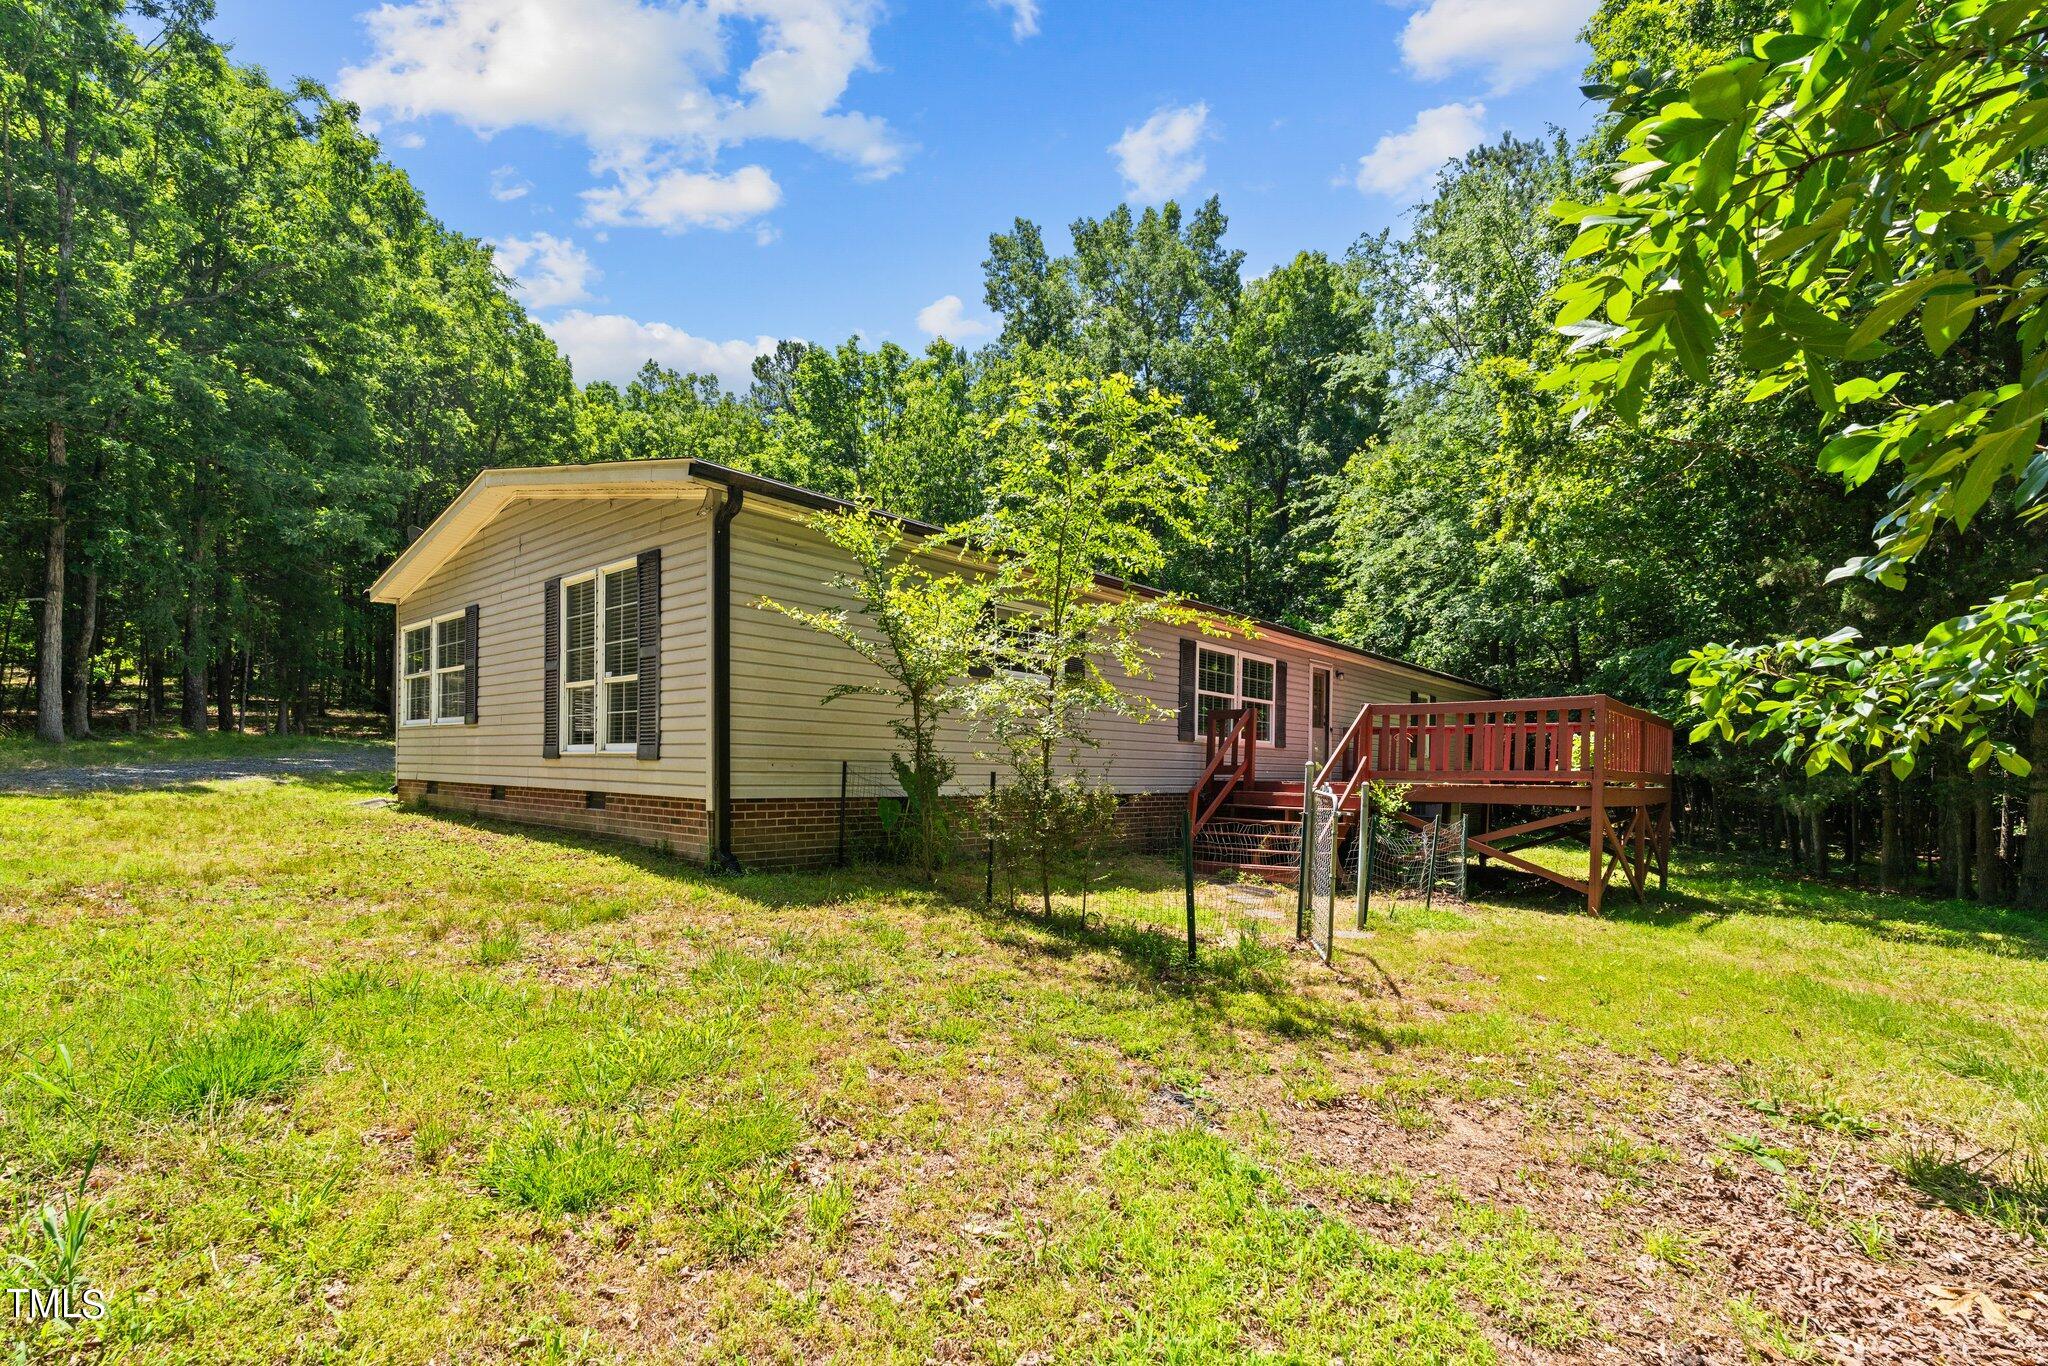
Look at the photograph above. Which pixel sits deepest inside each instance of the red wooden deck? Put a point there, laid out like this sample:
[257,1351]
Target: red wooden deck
[1587,758]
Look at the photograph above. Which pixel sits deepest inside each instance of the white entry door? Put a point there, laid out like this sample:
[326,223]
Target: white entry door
[1319,711]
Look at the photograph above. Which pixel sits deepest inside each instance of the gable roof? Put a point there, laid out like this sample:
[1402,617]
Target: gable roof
[486,495]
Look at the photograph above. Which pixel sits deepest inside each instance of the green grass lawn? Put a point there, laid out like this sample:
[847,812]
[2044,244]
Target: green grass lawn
[354,1082]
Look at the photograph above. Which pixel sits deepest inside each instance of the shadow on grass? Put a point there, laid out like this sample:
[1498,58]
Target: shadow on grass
[310,761]
[2009,1191]
[1220,983]
[1707,889]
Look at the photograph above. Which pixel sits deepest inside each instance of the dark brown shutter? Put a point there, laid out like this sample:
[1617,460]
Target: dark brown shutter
[551,669]
[649,728]
[469,620]
[1187,690]
[1280,704]
[982,668]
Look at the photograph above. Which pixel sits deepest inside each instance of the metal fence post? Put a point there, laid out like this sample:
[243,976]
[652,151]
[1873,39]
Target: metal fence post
[1464,852]
[1367,834]
[841,857]
[1187,859]
[1429,862]
[988,819]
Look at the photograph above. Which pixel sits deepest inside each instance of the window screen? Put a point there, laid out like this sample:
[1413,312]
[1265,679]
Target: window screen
[579,617]
[622,621]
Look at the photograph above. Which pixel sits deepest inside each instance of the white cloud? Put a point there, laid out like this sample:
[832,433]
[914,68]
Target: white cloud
[409,139]
[1513,41]
[677,199]
[1159,157]
[1403,162]
[946,317]
[1023,16]
[547,270]
[506,185]
[650,88]
[614,347]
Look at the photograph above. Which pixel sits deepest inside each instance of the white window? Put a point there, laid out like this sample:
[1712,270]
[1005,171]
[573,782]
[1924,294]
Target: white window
[1018,638]
[1228,679]
[601,660]
[434,660]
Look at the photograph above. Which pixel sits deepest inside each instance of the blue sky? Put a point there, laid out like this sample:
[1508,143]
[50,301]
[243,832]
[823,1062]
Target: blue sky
[693,178]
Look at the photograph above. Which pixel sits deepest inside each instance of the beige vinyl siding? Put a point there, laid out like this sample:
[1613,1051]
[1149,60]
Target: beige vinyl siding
[787,742]
[504,570]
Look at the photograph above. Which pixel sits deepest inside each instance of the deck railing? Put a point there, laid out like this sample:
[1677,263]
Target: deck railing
[1231,740]
[1526,740]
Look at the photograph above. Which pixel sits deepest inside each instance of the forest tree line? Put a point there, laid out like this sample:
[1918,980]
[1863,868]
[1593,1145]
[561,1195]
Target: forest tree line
[243,362]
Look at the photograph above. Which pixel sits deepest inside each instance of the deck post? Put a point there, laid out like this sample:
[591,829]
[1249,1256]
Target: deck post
[1596,840]
[1303,893]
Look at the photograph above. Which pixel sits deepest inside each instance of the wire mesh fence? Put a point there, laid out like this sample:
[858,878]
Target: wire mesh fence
[1351,866]
[1416,864]
[874,814]
[1323,872]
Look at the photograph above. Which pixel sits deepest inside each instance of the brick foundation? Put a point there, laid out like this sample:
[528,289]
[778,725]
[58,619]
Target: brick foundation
[676,824]
[1151,821]
[769,833]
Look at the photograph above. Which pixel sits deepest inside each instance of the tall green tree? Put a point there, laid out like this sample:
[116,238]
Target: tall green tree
[1089,478]
[922,631]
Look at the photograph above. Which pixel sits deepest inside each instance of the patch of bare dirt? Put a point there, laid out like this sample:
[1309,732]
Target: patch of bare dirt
[1695,1171]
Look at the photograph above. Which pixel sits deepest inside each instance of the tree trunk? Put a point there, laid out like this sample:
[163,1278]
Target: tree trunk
[224,691]
[2033,890]
[1817,838]
[1990,872]
[192,698]
[1854,852]
[81,654]
[1958,822]
[1891,853]
[50,657]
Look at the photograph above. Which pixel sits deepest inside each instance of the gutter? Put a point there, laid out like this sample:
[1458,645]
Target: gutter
[729,503]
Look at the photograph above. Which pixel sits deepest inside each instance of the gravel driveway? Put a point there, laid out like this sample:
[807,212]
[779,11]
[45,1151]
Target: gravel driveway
[173,772]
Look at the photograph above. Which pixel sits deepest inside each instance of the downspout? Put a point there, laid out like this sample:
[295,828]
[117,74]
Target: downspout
[721,678]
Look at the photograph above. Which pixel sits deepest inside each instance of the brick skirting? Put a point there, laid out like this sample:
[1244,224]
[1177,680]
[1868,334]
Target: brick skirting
[676,824]
[770,833]
[1151,821]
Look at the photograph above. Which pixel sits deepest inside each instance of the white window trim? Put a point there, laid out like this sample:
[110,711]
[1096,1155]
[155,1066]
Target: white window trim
[434,670]
[1235,697]
[600,693]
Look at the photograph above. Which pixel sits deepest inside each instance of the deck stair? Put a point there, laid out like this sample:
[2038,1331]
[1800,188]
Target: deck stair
[1257,830]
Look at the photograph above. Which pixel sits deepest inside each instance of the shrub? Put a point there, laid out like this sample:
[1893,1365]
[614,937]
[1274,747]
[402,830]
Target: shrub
[550,1170]
[256,1057]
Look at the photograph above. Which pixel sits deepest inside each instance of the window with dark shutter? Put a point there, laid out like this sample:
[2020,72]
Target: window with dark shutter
[472,614]
[648,734]
[1187,690]
[551,670]
[1280,705]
